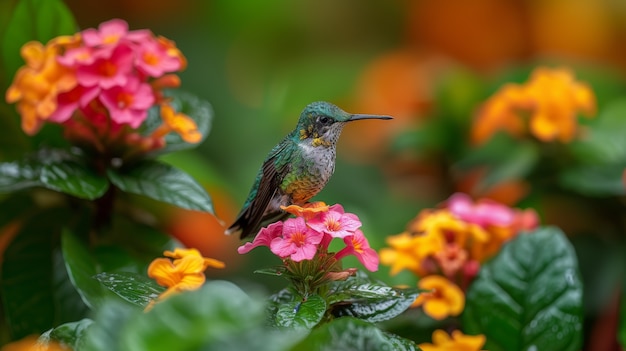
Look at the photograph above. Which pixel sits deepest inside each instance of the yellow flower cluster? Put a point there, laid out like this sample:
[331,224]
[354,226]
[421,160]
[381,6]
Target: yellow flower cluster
[446,246]
[552,98]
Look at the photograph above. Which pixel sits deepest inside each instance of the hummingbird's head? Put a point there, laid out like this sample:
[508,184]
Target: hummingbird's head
[322,122]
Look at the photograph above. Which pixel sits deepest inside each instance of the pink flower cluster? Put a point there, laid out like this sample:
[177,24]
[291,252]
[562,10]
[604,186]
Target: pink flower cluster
[311,231]
[487,213]
[99,85]
[114,70]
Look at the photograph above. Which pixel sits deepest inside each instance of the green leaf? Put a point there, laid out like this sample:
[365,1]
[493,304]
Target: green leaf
[162,182]
[595,180]
[71,334]
[134,288]
[277,271]
[275,301]
[529,297]
[301,314]
[71,177]
[110,321]
[348,333]
[604,141]
[621,332]
[26,282]
[82,269]
[57,170]
[39,20]
[69,304]
[131,253]
[199,110]
[220,316]
[507,158]
[601,155]
[370,301]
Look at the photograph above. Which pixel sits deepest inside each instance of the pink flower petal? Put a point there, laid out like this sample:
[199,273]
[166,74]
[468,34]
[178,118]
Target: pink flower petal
[128,104]
[153,59]
[108,33]
[335,222]
[484,213]
[358,246]
[107,71]
[298,242]
[263,238]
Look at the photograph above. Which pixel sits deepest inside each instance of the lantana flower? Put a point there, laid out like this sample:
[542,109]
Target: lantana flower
[552,98]
[302,242]
[335,222]
[99,85]
[37,84]
[183,270]
[457,341]
[298,241]
[450,242]
[357,245]
[444,299]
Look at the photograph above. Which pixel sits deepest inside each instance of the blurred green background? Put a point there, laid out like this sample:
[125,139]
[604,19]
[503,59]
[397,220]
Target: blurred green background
[260,62]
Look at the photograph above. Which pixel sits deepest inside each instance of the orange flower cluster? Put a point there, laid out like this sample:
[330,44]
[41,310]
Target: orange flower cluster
[458,341]
[552,98]
[31,343]
[446,246]
[37,84]
[184,272]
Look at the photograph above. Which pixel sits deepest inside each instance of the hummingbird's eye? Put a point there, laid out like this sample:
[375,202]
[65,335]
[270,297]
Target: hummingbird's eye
[324,120]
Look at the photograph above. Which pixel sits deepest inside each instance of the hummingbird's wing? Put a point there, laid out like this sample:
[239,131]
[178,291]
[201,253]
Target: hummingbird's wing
[266,188]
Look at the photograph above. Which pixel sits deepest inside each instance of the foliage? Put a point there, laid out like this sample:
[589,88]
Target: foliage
[81,201]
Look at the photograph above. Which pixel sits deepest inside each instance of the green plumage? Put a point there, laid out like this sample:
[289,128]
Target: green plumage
[297,168]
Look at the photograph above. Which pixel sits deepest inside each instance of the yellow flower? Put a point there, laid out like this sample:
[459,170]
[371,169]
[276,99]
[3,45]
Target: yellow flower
[458,342]
[408,251]
[185,272]
[446,298]
[444,224]
[37,84]
[177,122]
[30,343]
[551,97]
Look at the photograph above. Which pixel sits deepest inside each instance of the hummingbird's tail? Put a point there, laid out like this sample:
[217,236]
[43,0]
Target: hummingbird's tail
[251,229]
[246,223]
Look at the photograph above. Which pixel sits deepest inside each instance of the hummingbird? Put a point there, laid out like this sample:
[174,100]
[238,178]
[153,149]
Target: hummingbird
[297,168]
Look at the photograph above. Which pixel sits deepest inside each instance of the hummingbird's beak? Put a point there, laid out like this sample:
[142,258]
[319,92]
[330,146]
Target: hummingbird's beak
[357,116]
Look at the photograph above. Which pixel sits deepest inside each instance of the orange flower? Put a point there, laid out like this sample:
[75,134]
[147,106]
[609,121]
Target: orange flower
[177,122]
[308,211]
[30,343]
[185,272]
[446,298]
[451,260]
[552,98]
[179,253]
[458,342]
[37,84]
